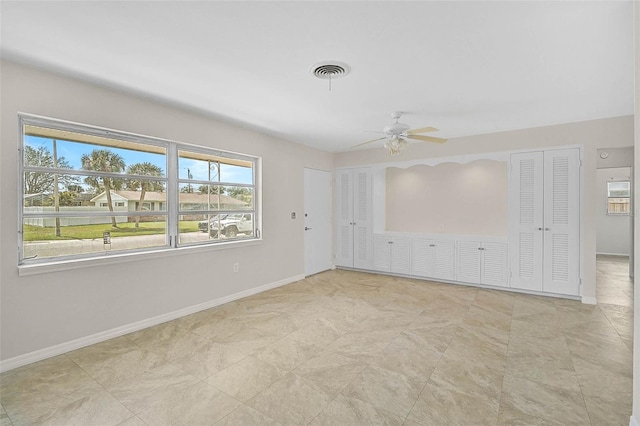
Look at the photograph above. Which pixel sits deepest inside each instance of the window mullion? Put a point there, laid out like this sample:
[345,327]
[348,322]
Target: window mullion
[173,193]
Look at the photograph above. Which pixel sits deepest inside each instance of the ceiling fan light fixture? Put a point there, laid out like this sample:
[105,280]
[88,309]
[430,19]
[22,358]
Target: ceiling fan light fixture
[395,144]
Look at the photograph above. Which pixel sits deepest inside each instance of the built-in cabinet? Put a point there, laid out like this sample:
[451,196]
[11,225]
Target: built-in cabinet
[447,258]
[482,263]
[354,218]
[540,254]
[544,221]
[392,254]
[433,258]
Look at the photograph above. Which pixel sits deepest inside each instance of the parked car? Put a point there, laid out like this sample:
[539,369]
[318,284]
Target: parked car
[205,225]
[229,225]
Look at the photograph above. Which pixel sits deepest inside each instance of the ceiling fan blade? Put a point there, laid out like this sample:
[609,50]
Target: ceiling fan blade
[364,143]
[422,130]
[426,138]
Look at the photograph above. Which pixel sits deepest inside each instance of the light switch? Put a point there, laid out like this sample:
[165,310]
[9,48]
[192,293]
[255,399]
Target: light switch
[293,215]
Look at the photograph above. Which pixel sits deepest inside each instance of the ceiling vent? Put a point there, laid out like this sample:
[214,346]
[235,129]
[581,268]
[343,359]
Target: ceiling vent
[330,70]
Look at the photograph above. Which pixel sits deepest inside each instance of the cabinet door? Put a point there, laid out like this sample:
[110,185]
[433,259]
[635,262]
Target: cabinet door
[362,219]
[526,219]
[494,264]
[561,221]
[382,253]
[344,218]
[423,259]
[401,255]
[469,262]
[444,262]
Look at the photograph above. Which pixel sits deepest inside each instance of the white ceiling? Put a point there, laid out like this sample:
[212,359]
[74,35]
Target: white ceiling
[464,67]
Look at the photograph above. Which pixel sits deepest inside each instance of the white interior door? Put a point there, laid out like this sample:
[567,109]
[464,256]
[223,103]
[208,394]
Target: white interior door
[317,221]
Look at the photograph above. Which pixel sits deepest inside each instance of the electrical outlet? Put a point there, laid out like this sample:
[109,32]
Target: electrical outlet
[236,267]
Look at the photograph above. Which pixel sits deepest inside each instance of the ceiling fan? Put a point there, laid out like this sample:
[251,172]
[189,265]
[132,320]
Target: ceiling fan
[398,133]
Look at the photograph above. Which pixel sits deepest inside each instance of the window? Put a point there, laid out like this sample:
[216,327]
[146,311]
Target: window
[82,184]
[619,198]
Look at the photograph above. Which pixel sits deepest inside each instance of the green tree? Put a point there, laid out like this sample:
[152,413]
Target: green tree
[37,182]
[103,160]
[75,188]
[144,185]
[68,198]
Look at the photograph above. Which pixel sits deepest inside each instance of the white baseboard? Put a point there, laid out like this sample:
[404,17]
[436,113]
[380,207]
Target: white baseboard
[633,422]
[589,300]
[39,355]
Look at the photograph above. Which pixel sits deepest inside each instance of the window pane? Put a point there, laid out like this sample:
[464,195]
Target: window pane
[214,197]
[216,227]
[238,196]
[197,169]
[619,189]
[43,238]
[73,191]
[104,155]
[236,174]
[214,167]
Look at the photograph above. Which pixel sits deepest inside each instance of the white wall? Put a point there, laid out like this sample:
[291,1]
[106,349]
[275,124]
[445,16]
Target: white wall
[452,198]
[39,311]
[613,233]
[609,132]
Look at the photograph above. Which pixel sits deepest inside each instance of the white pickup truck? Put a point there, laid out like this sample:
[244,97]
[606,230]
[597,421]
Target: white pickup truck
[230,225]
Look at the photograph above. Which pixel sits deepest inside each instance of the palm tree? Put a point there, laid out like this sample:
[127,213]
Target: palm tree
[103,160]
[144,185]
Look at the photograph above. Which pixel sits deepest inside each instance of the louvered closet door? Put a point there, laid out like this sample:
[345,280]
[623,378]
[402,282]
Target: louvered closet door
[469,261]
[526,219]
[344,218]
[494,264]
[362,217]
[401,255]
[561,221]
[382,253]
[444,265]
[423,257]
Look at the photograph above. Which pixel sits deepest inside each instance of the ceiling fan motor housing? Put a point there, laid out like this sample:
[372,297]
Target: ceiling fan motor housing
[396,128]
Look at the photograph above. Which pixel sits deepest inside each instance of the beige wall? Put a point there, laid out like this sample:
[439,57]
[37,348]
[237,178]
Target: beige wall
[452,198]
[609,132]
[43,310]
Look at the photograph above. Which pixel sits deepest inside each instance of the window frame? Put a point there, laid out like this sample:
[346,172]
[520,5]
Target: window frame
[171,179]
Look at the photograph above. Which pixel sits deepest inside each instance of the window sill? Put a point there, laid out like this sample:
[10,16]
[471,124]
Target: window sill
[65,265]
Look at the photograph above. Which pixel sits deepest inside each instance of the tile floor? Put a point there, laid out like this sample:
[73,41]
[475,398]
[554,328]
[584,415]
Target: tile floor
[348,348]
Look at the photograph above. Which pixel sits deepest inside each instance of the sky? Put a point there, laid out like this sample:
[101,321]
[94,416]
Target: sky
[73,152]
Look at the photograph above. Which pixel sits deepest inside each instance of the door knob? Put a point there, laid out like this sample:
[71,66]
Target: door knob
[306,228]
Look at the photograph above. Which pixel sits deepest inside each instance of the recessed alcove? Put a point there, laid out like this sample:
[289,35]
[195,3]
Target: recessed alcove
[449,197]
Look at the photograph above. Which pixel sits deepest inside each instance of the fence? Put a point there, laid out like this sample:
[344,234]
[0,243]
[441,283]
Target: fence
[81,219]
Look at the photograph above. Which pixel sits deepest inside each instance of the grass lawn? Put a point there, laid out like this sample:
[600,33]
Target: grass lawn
[92,232]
